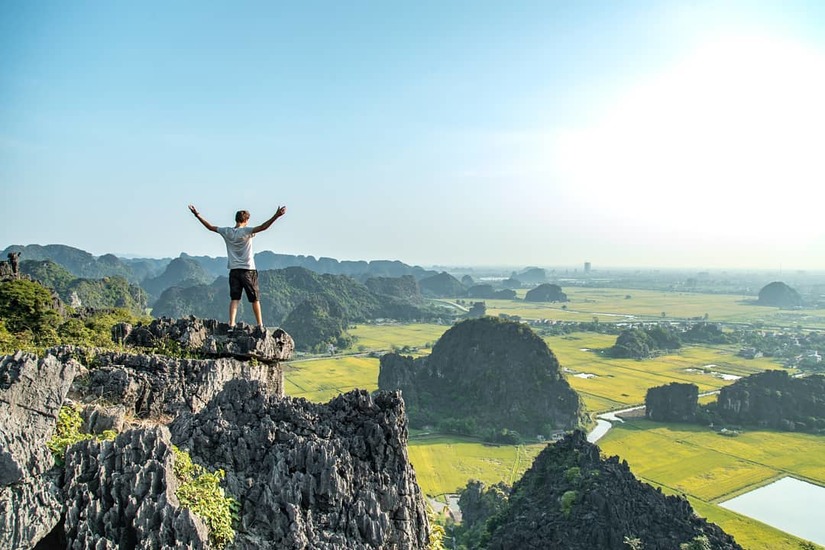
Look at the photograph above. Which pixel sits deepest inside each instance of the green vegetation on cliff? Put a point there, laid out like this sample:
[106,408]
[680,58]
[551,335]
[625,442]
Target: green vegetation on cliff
[106,292]
[200,490]
[32,317]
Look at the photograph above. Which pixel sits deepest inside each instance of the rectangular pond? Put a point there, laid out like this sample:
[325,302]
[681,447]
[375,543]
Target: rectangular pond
[789,504]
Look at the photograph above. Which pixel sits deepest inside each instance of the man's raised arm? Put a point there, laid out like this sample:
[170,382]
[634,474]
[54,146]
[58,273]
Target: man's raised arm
[264,226]
[205,223]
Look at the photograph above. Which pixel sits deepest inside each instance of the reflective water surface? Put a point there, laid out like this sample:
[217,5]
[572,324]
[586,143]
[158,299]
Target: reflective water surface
[789,504]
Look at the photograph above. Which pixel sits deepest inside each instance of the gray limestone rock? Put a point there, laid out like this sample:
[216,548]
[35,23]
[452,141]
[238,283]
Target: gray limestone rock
[98,419]
[155,385]
[320,476]
[29,510]
[210,337]
[32,390]
[121,494]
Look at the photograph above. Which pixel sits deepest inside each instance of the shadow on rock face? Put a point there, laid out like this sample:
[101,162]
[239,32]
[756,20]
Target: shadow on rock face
[311,475]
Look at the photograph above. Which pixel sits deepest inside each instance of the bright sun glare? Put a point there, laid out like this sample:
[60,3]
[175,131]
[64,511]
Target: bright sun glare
[732,137]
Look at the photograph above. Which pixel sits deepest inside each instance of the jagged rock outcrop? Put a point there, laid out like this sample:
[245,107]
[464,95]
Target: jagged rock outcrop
[121,494]
[320,476]
[154,385]
[486,375]
[306,475]
[209,337]
[31,393]
[571,498]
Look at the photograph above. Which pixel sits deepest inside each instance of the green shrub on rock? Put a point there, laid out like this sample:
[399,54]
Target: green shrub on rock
[68,432]
[201,492]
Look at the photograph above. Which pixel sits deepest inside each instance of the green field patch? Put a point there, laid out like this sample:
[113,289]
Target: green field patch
[709,468]
[322,379]
[613,305]
[680,459]
[444,464]
[670,458]
[386,336]
[595,404]
[618,383]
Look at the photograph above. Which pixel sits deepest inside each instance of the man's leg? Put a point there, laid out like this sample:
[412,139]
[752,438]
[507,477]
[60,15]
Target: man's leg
[233,311]
[256,308]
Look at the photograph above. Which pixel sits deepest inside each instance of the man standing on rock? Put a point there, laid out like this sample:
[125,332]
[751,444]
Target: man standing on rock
[241,261]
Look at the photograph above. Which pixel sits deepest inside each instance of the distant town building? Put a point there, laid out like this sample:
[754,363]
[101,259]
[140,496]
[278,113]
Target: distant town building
[587,267]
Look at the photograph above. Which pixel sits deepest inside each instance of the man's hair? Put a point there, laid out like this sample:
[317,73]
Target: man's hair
[241,216]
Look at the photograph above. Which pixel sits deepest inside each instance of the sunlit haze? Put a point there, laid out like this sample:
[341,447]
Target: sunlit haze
[661,134]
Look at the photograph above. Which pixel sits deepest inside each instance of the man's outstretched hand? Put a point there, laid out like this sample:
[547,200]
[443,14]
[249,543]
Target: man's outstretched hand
[193,209]
[281,211]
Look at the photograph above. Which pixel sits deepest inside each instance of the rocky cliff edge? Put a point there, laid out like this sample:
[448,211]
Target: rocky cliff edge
[304,475]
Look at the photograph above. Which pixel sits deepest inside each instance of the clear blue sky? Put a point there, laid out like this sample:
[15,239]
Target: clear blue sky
[436,132]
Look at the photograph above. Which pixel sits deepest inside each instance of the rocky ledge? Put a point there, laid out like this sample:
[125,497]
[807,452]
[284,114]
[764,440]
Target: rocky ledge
[305,475]
[209,337]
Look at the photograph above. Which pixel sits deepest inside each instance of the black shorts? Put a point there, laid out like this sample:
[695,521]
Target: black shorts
[243,279]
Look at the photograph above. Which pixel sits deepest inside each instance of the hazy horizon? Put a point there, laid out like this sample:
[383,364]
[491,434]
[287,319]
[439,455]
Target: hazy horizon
[486,268]
[645,134]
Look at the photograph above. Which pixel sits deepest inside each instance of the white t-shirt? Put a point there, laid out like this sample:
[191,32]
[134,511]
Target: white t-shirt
[238,247]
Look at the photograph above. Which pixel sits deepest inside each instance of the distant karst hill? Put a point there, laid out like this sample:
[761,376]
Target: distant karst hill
[84,264]
[546,292]
[774,399]
[404,288]
[181,272]
[282,290]
[485,376]
[674,402]
[778,294]
[572,498]
[79,292]
[442,285]
[531,276]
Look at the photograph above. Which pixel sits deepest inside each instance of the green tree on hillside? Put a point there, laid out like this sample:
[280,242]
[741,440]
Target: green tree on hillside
[32,317]
[632,343]
[29,310]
